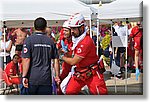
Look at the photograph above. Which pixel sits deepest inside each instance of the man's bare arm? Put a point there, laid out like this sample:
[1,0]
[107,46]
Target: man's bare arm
[8,49]
[57,71]
[14,33]
[56,67]
[72,61]
[25,64]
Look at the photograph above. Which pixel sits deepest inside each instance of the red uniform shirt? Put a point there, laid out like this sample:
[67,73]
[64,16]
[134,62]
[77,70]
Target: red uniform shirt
[66,41]
[137,37]
[11,69]
[134,31]
[87,50]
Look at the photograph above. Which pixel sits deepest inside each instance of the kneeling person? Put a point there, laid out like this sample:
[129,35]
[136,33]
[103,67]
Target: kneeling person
[12,70]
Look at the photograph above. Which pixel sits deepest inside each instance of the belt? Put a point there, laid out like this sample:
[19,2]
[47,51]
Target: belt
[83,75]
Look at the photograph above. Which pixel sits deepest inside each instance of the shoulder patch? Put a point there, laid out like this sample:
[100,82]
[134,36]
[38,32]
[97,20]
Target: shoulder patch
[25,50]
[11,70]
[79,50]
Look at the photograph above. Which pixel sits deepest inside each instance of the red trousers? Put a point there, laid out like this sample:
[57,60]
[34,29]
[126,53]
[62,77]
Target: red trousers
[66,68]
[15,80]
[96,85]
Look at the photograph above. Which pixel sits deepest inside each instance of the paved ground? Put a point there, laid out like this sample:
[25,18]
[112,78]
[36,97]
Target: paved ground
[134,87]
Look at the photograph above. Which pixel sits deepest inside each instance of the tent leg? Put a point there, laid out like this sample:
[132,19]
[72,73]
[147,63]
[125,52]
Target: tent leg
[115,81]
[126,73]
[97,35]
[4,25]
[115,84]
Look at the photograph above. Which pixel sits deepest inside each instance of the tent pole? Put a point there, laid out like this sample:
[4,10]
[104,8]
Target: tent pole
[126,63]
[126,73]
[4,26]
[114,74]
[90,21]
[97,35]
[113,50]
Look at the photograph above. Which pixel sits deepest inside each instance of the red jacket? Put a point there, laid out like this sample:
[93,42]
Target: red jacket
[11,69]
[134,31]
[67,42]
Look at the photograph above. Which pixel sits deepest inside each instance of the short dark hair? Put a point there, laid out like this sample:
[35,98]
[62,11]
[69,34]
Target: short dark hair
[40,23]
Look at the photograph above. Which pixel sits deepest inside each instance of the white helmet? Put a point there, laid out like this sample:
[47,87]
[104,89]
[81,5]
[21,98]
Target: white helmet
[66,24]
[76,20]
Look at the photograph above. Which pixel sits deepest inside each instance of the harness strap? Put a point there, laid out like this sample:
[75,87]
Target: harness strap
[88,68]
[82,71]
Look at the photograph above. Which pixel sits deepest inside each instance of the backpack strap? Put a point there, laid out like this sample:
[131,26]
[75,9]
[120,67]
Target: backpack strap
[136,33]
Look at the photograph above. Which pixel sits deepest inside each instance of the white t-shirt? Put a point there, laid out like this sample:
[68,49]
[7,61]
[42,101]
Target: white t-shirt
[2,46]
[121,30]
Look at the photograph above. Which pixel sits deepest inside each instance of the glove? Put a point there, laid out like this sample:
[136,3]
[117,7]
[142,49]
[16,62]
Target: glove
[61,56]
[64,47]
[137,73]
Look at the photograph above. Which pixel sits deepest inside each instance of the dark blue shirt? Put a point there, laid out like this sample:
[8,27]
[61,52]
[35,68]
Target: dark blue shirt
[40,49]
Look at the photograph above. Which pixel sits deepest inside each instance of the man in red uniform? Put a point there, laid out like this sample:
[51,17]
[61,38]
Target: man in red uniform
[85,58]
[12,71]
[65,46]
[136,34]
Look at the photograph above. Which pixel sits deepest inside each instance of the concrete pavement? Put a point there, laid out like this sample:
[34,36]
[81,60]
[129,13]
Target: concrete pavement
[134,87]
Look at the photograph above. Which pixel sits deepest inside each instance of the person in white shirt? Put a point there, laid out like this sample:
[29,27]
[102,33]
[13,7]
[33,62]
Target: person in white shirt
[5,45]
[121,30]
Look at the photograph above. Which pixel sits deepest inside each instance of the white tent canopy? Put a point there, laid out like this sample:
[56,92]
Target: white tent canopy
[18,11]
[121,9]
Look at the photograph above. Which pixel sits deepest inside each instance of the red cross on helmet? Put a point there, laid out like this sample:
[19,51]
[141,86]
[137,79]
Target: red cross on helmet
[76,20]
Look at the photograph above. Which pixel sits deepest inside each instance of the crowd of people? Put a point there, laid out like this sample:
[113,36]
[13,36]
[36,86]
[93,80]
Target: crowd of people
[134,49]
[38,55]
